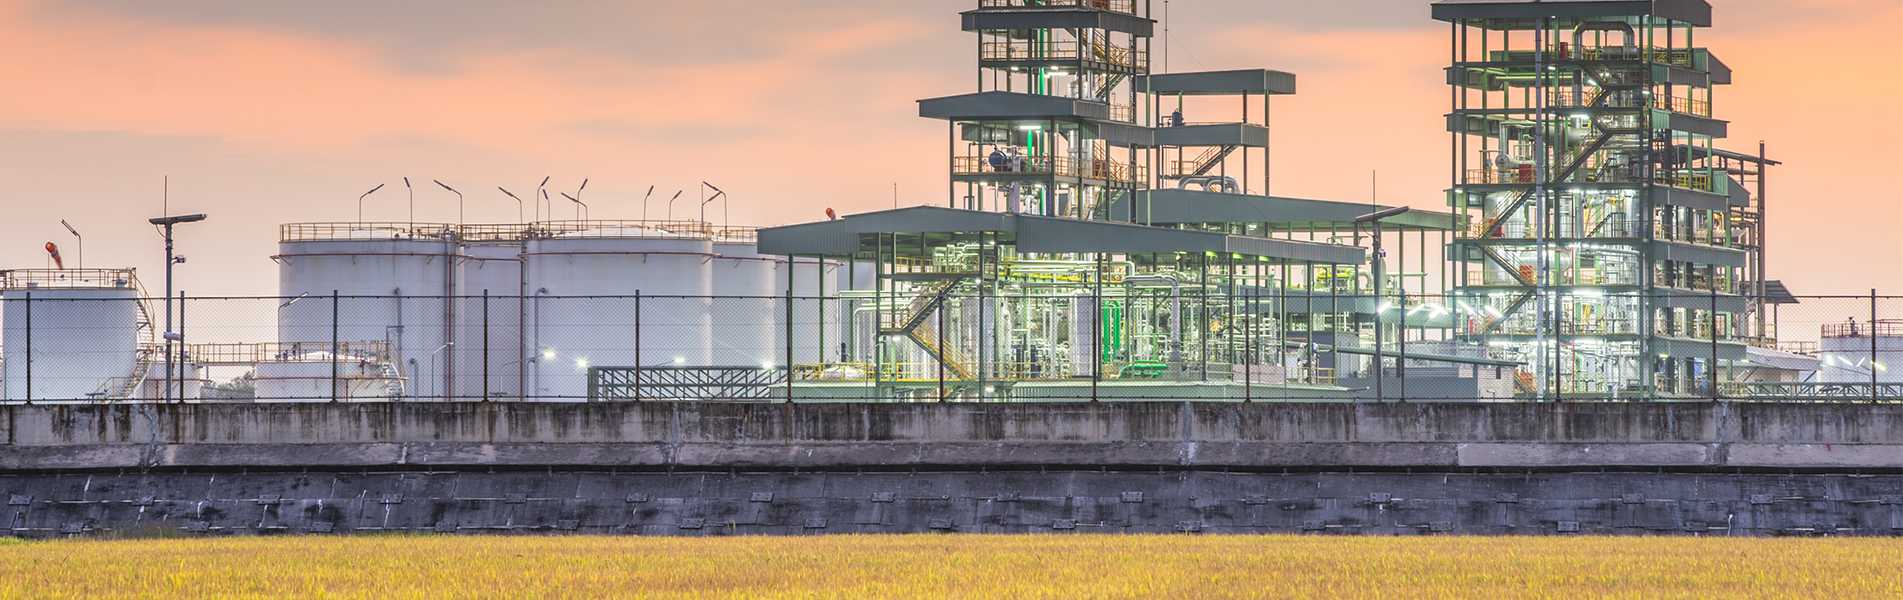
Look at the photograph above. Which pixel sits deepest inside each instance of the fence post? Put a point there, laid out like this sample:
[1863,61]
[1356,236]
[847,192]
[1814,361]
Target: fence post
[179,378]
[792,265]
[29,347]
[940,332]
[1711,370]
[334,297]
[1096,333]
[1400,341]
[485,344]
[1873,346]
[635,393]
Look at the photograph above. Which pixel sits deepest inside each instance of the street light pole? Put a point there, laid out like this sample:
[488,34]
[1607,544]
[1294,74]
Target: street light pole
[166,224]
[459,199]
[360,201]
[580,207]
[1375,218]
[540,195]
[79,255]
[406,186]
[644,204]
[518,202]
[670,204]
[703,204]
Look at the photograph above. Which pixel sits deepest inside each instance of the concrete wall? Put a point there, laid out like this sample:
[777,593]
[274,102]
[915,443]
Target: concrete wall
[1177,434]
[712,469]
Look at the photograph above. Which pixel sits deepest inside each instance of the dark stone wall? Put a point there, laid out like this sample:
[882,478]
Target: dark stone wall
[1014,501]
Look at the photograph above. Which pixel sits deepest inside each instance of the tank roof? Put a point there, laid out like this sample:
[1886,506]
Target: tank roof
[70,279]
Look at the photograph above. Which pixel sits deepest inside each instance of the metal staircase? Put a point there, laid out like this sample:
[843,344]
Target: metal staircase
[916,325]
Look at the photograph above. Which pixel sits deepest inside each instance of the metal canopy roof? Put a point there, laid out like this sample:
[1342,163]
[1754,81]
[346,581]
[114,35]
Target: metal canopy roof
[993,19]
[1218,83]
[1181,206]
[1015,106]
[1696,12]
[1037,234]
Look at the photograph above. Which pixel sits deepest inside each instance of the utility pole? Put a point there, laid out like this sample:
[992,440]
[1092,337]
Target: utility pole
[166,224]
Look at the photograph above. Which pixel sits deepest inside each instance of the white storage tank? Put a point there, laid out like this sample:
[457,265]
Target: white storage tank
[581,310]
[817,310]
[492,267]
[743,325]
[84,340]
[307,378]
[1845,352]
[393,280]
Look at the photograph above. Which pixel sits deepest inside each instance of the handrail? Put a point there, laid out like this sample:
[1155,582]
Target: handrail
[1060,166]
[1062,50]
[1127,7]
[1882,327]
[515,232]
[251,353]
[26,279]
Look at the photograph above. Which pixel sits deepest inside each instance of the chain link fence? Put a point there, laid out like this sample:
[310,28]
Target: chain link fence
[946,342]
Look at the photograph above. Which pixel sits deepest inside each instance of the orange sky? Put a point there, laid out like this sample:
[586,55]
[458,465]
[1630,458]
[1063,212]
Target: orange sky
[266,112]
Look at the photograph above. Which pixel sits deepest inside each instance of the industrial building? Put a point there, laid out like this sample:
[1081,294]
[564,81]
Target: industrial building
[1613,246]
[1107,233]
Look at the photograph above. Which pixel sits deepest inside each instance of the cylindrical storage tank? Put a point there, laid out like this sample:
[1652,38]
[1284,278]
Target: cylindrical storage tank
[817,312]
[307,378]
[393,283]
[490,345]
[582,311]
[1845,352]
[742,324]
[84,336]
[191,382]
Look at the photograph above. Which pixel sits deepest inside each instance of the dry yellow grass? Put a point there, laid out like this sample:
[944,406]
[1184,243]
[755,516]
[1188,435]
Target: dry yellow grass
[1045,566]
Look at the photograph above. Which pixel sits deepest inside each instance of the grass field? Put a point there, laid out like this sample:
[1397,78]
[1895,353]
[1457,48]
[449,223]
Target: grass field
[957,566]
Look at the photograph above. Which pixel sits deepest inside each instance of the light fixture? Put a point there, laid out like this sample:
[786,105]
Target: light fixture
[548,354]
[680,360]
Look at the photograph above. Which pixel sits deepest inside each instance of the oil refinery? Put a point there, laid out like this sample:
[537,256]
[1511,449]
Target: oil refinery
[1095,242]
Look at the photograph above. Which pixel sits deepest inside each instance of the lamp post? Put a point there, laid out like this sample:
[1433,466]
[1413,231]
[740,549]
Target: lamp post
[166,224]
[1375,218]
[644,203]
[518,202]
[459,199]
[360,201]
[412,191]
[79,255]
[670,204]
[577,197]
[703,203]
[579,207]
[541,194]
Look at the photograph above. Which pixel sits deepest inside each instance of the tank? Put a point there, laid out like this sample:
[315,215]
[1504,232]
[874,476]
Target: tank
[817,310]
[491,268]
[581,309]
[307,378]
[743,325]
[1844,352]
[86,326]
[392,281]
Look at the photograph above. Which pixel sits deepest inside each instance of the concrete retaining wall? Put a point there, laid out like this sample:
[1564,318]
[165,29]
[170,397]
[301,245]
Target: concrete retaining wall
[817,436]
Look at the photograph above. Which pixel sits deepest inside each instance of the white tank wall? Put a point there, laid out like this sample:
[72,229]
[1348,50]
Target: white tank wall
[743,325]
[567,335]
[497,269]
[1847,359]
[817,329]
[83,340]
[417,326]
[190,375]
[310,381]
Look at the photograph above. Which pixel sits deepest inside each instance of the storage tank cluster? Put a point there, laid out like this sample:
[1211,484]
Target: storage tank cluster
[548,300]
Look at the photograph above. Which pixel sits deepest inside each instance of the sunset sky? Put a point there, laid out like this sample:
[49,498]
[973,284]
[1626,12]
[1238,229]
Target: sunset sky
[264,112]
